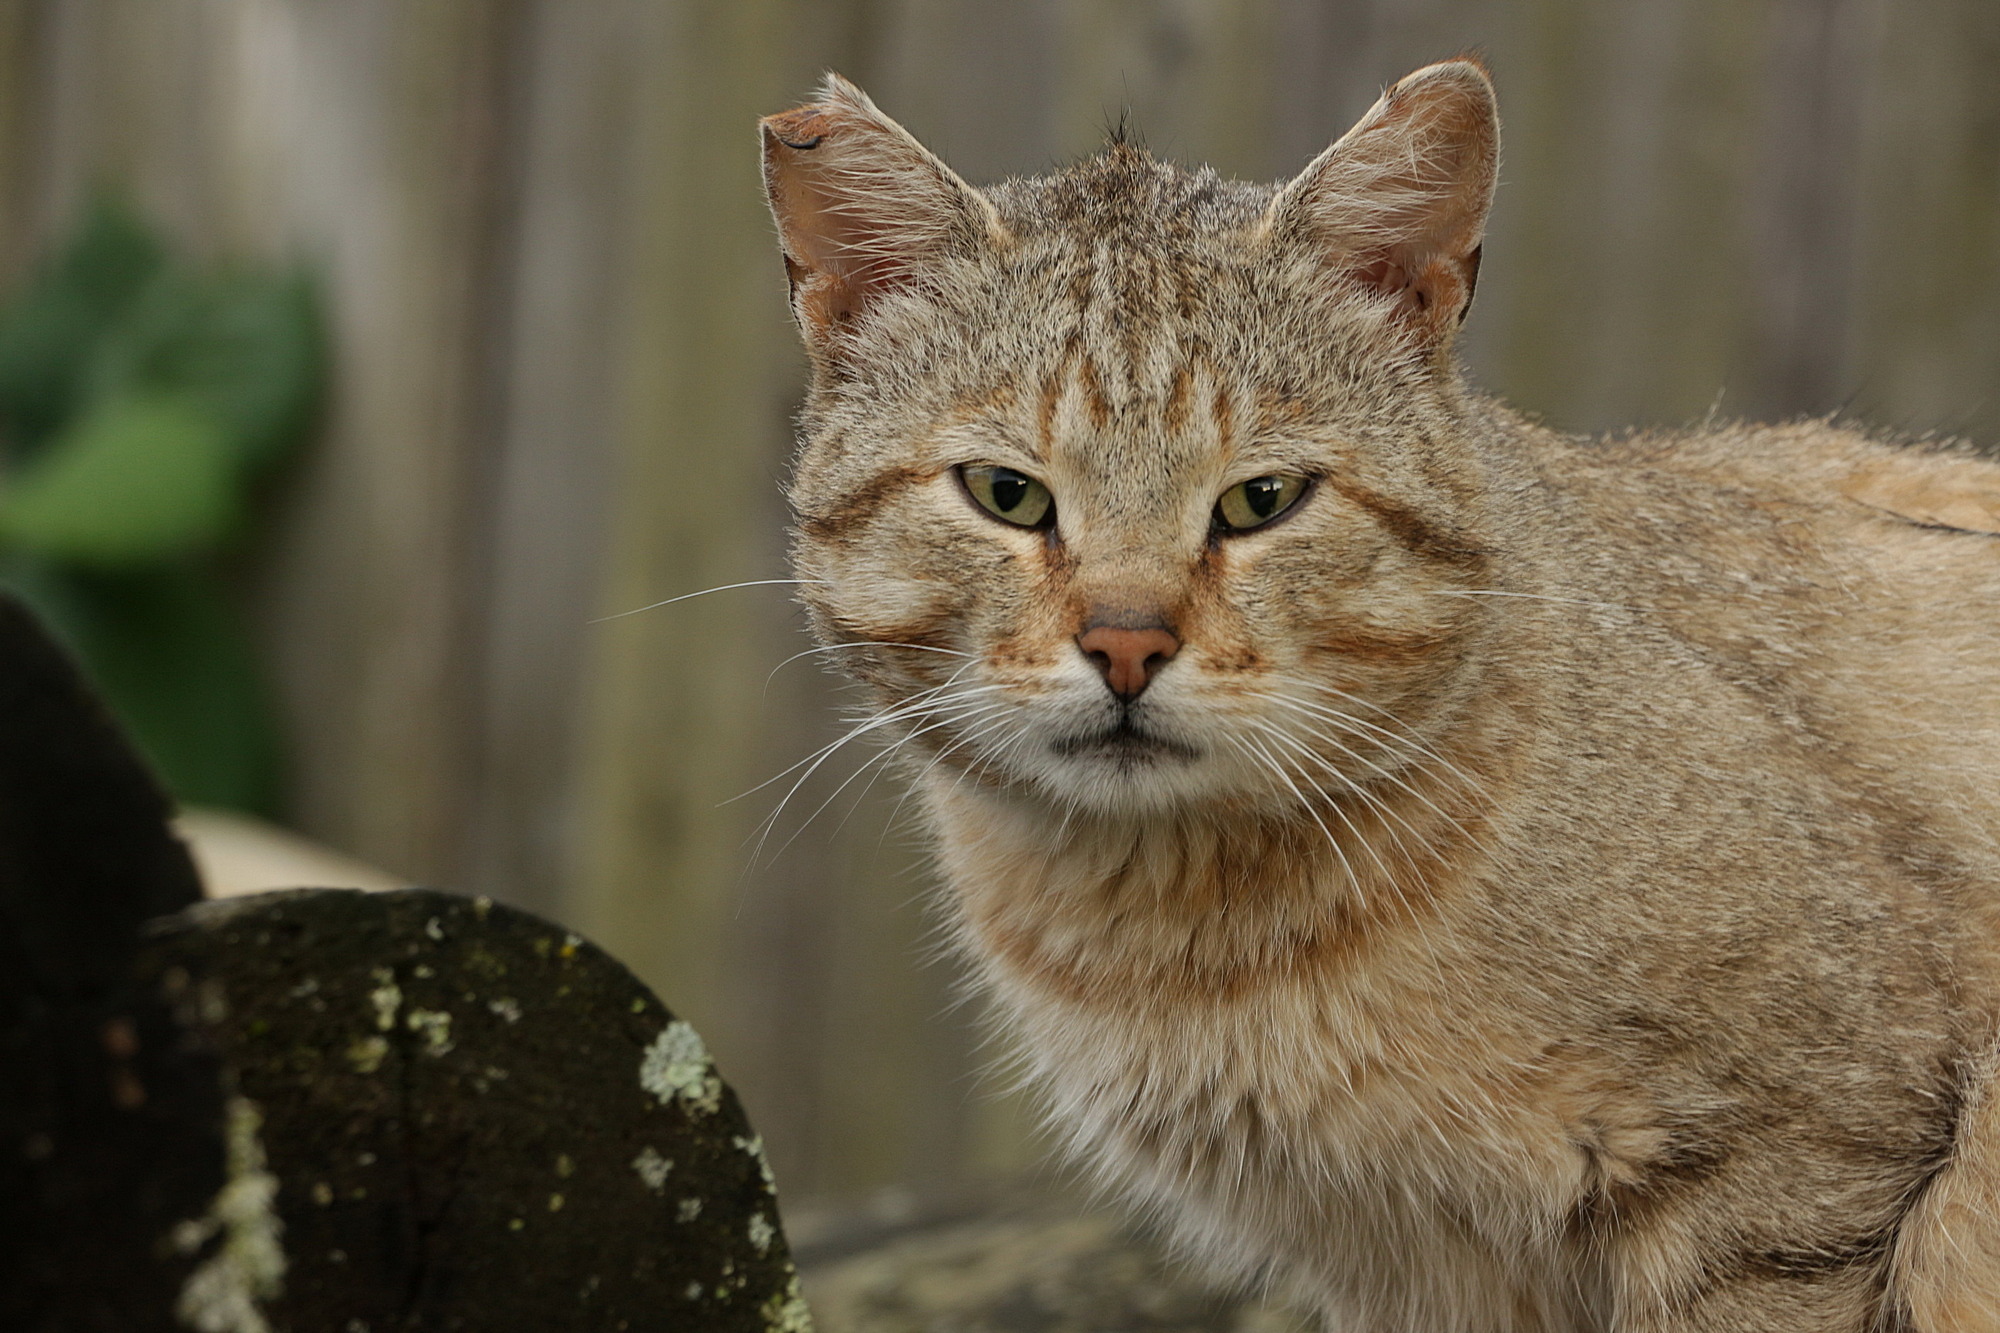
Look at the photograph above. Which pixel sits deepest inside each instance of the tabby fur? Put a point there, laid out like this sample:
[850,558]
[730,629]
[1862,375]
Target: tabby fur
[1553,886]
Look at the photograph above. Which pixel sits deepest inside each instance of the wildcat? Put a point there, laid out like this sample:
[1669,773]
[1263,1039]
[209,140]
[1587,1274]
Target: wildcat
[1480,878]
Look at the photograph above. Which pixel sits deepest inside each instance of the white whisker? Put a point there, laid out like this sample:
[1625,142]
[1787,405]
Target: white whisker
[723,587]
[895,712]
[1333,802]
[863,643]
[890,751]
[1407,737]
[880,758]
[1251,747]
[1373,802]
[1360,758]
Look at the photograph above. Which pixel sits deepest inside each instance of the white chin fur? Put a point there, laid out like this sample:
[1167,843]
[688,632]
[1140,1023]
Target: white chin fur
[1068,760]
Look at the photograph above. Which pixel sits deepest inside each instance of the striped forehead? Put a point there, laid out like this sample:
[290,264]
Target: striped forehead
[1126,392]
[1126,452]
[1100,411]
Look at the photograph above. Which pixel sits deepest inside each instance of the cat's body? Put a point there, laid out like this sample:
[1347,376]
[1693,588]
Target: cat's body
[1516,883]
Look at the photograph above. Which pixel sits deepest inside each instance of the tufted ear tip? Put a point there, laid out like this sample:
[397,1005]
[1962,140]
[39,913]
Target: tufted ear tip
[862,208]
[1399,204]
[835,87]
[1468,74]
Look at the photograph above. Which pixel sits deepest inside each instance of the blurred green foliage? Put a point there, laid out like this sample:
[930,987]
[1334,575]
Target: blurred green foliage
[140,398]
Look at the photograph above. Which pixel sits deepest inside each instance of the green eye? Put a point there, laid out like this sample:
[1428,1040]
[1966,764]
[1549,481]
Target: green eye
[1009,496]
[1253,503]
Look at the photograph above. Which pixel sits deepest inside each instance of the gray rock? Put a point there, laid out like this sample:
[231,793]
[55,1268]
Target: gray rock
[1046,1265]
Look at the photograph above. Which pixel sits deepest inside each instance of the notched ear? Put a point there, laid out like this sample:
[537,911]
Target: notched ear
[862,207]
[1399,204]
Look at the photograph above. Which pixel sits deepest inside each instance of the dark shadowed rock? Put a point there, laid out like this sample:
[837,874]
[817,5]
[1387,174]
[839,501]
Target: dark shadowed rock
[452,1115]
[110,1124]
[324,1111]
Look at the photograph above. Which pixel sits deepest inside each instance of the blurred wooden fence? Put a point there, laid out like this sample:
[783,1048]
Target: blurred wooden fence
[564,377]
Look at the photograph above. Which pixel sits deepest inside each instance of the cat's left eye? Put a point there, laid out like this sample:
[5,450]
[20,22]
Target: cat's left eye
[1010,496]
[1253,503]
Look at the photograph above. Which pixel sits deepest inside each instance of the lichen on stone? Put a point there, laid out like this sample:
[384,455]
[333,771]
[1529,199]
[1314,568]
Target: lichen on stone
[367,1053]
[506,1007]
[222,1294]
[762,1233]
[786,1312]
[652,1168]
[387,997]
[435,1025]
[676,1067]
[690,1209]
[754,1145]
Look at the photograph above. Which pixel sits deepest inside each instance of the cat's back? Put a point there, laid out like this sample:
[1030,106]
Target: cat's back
[1850,585]
[1802,540]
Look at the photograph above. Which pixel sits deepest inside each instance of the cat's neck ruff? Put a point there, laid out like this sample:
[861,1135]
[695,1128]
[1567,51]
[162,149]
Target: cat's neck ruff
[1209,903]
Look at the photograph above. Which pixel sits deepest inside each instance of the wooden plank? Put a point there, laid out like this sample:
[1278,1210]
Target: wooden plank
[1928,322]
[366,600]
[550,358]
[676,722]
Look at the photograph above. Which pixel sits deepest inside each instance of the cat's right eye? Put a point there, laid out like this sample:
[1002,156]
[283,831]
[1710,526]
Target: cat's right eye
[1010,496]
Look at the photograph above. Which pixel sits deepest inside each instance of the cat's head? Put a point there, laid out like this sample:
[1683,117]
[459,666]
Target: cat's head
[1130,487]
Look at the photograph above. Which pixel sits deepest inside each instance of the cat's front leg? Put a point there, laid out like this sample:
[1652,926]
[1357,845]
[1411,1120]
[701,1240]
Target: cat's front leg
[1849,1303]
[1837,1235]
[1834,1280]
[1947,1263]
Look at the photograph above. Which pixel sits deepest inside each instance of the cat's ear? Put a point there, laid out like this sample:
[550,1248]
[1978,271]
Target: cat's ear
[1399,204]
[862,208]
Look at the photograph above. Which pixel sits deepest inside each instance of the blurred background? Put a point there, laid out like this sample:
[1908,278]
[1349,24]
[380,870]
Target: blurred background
[418,341]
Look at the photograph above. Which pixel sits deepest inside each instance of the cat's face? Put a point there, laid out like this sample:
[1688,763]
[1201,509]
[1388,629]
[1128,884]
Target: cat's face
[1120,499]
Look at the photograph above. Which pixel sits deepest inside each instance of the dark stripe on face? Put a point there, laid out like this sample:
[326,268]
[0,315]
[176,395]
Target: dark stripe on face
[1045,415]
[914,636]
[1094,401]
[1174,415]
[1407,526]
[1224,411]
[1363,643]
[857,507]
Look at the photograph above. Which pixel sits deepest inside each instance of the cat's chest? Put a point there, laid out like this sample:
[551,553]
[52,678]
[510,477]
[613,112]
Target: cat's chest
[1308,1124]
[1284,1081]
[1267,1031]
[1354,1076]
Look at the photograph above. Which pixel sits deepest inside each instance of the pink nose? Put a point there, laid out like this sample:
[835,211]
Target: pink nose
[1128,657]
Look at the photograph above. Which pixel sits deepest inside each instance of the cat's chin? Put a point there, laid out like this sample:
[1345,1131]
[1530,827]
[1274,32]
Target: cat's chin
[1122,770]
[1126,747]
